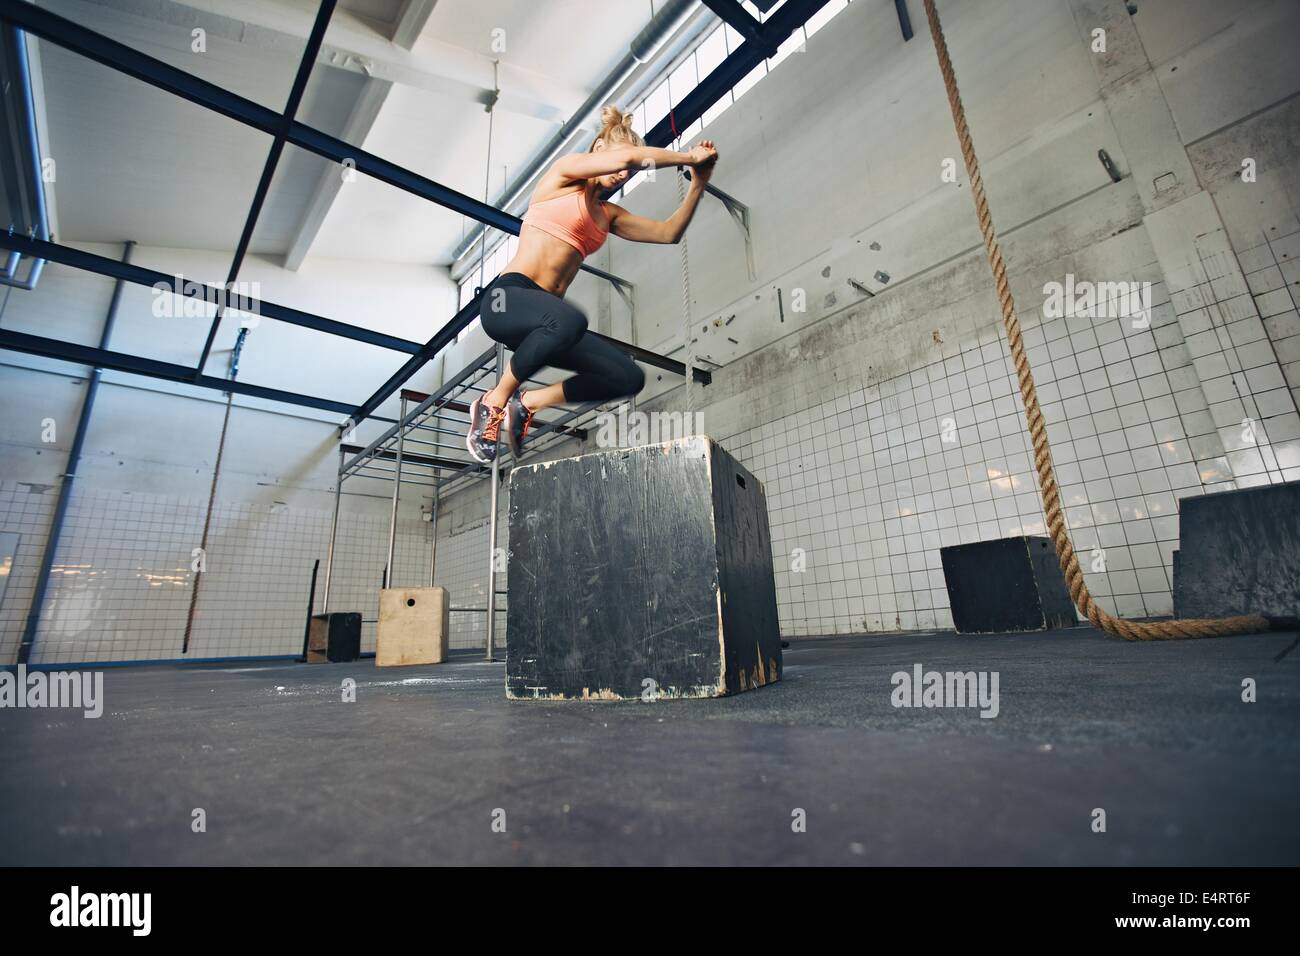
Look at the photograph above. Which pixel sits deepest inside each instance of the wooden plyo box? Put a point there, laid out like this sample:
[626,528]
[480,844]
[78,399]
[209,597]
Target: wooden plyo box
[640,573]
[414,626]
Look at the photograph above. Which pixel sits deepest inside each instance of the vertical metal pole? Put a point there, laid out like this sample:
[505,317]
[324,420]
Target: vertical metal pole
[433,520]
[397,489]
[492,532]
[334,533]
[70,476]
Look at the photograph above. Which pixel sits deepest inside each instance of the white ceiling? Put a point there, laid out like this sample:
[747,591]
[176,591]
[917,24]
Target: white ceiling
[134,162]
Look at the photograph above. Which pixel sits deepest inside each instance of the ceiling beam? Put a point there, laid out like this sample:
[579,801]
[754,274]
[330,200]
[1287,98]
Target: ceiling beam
[355,44]
[179,285]
[355,130]
[321,23]
[73,36]
[737,17]
[410,24]
[152,368]
[411,21]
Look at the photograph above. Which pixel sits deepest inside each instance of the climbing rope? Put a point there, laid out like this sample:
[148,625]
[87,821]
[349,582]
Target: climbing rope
[1129,630]
[687,329]
[688,341]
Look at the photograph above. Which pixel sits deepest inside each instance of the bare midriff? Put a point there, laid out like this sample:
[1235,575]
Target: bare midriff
[550,262]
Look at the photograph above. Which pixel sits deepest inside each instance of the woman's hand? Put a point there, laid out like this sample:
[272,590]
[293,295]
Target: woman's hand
[704,154]
[705,158]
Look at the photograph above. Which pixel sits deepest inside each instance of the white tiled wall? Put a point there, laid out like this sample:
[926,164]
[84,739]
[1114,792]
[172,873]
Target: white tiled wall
[866,487]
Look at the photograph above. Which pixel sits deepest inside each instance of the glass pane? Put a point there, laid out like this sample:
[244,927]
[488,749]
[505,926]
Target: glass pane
[734,39]
[657,104]
[756,74]
[711,53]
[682,80]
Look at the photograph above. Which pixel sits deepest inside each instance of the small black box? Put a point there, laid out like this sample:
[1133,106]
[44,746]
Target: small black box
[334,637]
[640,573]
[1239,553]
[1012,584]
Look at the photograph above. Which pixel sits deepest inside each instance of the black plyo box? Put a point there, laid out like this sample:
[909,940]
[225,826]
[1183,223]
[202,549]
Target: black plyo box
[335,638]
[1239,553]
[640,573]
[1011,584]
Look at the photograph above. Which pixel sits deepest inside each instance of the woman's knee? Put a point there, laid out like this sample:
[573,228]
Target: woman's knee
[630,379]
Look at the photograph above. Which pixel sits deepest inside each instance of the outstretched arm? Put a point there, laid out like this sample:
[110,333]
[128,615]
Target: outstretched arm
[636,228]
[605,162]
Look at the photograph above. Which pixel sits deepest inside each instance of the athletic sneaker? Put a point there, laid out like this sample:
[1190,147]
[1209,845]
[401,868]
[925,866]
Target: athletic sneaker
[484,429]
[518,418]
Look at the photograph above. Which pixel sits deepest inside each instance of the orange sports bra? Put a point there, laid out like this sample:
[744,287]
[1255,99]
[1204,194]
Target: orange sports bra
[568,219]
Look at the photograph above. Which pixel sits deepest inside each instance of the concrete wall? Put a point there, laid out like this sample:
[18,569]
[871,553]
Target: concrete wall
[887,426]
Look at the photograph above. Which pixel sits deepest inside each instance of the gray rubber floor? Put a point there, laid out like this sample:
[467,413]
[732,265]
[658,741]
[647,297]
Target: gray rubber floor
[418,769]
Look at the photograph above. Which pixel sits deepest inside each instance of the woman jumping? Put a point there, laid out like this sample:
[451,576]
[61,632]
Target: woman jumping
[524,307]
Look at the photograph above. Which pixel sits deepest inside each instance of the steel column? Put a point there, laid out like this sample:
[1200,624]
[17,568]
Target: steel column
[492,527]
[334,533]
[433,519]
[69,477]
[397,487]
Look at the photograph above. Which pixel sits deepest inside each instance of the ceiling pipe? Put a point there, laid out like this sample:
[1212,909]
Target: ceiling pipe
[686,18]
[14,56]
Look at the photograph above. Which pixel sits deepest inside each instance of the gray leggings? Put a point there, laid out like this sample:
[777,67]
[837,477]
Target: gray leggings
[544,330]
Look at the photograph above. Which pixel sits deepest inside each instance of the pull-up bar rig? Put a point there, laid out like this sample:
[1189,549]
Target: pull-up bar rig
[434,417]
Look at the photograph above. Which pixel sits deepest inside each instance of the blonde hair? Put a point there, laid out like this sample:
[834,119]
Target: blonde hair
[616,129]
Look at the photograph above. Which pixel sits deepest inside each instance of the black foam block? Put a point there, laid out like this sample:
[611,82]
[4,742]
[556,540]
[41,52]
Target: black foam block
[1239,553]
[334,637]
[1011,584]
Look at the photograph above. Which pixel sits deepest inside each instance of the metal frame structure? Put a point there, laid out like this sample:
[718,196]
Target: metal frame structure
[434,418]
[429,414]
